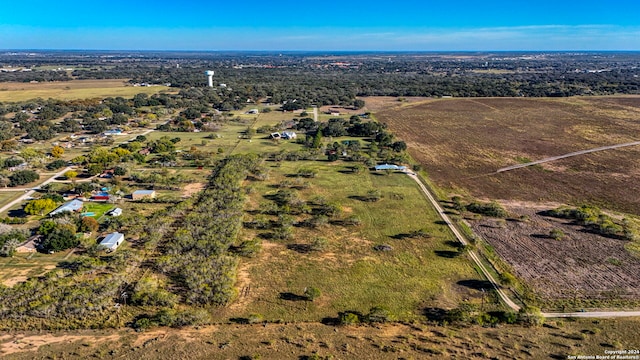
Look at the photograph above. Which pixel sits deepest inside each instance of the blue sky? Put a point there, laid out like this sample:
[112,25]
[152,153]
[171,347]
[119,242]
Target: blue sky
[321,25]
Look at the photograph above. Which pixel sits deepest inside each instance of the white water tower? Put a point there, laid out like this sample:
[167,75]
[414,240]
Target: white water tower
[209,74]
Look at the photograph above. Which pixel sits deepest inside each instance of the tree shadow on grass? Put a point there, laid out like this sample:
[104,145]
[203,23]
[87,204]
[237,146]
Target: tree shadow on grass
[447,254]
[476,284]
[453,244]
[239,320]
[17,213]
[435,314]
[292,297]
[300,248]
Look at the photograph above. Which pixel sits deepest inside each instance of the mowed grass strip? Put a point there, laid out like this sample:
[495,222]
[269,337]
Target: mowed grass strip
[75,89]
[350,274]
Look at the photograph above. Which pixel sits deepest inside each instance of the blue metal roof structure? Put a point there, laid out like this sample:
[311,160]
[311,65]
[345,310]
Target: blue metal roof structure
[390,167]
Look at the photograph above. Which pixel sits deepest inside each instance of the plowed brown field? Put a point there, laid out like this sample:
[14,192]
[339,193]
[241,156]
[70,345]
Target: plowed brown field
[462,142]
[582,265]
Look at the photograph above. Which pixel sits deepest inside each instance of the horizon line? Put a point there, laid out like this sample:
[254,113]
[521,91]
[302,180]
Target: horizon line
[321,50]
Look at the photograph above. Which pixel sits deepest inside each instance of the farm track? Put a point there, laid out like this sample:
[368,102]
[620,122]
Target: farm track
[576,153]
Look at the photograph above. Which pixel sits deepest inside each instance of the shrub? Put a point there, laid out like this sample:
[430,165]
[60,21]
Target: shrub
[372,195]
[255,318]
[379,314]
[492,209]
[312,293]
[556,234]
[319,244]
[349,318]
[531,316]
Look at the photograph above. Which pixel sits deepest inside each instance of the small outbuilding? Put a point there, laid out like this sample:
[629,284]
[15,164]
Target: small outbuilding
[288,135]
[115,212]
[112,241]
[143,194]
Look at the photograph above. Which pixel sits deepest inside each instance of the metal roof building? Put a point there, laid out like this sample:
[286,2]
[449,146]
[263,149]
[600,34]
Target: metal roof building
[71,206]
[112,241]
[390,167]
[141,194]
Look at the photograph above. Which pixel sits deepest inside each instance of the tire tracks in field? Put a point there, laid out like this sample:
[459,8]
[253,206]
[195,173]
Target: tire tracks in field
[575,153]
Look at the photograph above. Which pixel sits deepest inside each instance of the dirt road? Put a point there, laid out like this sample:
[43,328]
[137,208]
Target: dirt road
[553,158]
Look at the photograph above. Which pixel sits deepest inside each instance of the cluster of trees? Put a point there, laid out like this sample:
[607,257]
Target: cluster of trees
[71,297]
[161,177]
[10,239]
[22,177]
[199,253]
[598,222]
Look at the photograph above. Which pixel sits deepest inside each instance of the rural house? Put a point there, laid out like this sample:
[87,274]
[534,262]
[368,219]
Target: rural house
[390,167]
[71,206]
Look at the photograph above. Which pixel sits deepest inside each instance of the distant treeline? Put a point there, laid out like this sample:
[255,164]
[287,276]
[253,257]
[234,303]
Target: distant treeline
[320,79]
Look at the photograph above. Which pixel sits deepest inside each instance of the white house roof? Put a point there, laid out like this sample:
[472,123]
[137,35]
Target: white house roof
[71,206]
[112,240]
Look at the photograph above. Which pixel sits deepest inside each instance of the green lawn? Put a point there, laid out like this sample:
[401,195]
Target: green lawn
[97,208]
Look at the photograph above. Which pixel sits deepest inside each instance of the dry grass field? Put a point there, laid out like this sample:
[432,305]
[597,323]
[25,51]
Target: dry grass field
[75,89]
[462,142]
[556,340]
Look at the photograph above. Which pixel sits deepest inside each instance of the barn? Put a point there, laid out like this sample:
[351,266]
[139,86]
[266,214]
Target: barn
[112,241]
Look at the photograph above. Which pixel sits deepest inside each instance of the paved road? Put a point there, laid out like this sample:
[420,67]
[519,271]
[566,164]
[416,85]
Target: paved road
[32,191]
[553,158]
[501,294]
[593,314]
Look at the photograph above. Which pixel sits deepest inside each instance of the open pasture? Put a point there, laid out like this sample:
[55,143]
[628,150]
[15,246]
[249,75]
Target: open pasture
[75,89]
[419,272]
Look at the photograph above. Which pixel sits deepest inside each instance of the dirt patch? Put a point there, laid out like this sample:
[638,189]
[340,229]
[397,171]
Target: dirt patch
[581,265]
[377,103]
[21,275]
[243,284]
[191,189]
[462,142]
[21,342]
